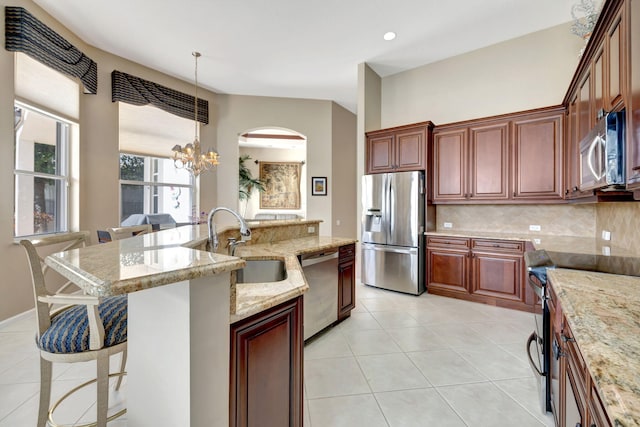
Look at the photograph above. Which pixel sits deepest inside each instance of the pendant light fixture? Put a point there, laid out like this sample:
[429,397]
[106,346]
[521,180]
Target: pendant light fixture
[191,156]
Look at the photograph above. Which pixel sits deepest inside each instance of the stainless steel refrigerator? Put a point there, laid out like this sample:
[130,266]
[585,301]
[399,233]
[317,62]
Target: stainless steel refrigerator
[392,231]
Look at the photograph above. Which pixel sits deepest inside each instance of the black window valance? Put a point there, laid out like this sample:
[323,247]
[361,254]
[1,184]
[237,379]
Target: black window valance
[137,91]
[25,33]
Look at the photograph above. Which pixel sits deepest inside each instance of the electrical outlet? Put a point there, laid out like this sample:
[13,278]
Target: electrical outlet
[606,235]
[311,229]
[536,241]
[448,225]
[606,251]
[535,228]
[338,222]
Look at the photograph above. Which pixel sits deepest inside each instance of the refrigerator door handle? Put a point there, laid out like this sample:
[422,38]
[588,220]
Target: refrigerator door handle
[392,249]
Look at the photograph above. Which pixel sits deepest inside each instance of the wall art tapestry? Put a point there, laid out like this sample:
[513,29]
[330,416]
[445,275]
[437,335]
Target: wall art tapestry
[282,185]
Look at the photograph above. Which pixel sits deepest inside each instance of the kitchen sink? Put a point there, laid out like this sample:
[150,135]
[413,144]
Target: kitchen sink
[262,270]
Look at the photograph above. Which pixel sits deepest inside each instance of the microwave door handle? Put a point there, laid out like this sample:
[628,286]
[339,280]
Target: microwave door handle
[591,157]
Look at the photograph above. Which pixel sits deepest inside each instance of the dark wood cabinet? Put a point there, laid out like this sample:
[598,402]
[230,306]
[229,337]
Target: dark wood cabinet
[538,157]
[266,368]
[403,148]
[574,396]
[346,281]
[448,271]
[450,165]
[481,270]
[497,270]
[489,161]
[515,158]
[471,163]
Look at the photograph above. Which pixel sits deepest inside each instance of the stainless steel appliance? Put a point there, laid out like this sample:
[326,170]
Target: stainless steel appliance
[602,153]
[320,308]
[392,231]
[537,263]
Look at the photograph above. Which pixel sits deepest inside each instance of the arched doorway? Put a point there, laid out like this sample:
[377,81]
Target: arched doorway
[277,157]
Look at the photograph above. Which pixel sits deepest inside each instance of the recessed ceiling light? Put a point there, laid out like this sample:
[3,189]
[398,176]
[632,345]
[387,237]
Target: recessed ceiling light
[390,35]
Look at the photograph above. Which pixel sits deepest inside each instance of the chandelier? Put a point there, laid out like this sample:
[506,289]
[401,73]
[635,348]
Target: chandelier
[191,157]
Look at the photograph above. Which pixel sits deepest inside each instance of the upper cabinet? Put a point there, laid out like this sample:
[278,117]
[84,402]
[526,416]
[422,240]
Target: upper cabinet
[403,148]
[537,157]
[604,81]
[516,158]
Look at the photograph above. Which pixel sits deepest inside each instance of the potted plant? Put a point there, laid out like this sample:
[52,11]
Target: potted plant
[247,183]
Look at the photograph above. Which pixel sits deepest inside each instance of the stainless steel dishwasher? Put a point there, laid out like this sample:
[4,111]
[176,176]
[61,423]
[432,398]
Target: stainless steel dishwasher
[321,300]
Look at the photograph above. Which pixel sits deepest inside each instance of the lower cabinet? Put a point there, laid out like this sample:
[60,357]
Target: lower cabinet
[346,289]
[575,399]
[266,368]
[481,270]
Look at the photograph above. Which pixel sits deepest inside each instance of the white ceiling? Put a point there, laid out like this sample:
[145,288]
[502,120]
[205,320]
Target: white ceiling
[298,48]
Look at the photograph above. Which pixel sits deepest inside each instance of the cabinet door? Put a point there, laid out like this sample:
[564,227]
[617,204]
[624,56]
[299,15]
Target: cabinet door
[616,44]
[410,151]
[489,162]
[597,71]
[266,368]
[346,289]
[380,153]
[537,150]
[450,167]
[497,275]
[585,123]
[448,271]
[572,152]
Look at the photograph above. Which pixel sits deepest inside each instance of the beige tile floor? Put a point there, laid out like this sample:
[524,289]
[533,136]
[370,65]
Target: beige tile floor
[399,360]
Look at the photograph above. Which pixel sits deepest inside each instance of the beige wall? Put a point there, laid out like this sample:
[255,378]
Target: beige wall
[342,187]
[99,170]
[519,74]
[622,220]
[562,220]
[237,114]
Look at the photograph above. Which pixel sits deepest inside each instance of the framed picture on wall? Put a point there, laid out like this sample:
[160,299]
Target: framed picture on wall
[319,186]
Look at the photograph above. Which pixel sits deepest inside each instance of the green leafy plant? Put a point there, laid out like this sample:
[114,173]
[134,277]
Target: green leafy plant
[247,183]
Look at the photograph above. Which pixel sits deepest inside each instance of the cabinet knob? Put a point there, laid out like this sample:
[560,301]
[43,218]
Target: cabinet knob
[575,189]
[566,338]
[514,194]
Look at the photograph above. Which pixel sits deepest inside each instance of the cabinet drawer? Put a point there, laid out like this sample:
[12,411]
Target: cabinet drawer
[347,252]
[448,242]
[497,245]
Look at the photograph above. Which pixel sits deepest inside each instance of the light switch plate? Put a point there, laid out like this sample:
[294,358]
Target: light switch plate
[311,229]
[535,228]
[447,225]
[606,235]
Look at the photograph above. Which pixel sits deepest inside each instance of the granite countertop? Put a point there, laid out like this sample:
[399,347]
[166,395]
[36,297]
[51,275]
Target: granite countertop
[253,298]
[603,311]
[169,256]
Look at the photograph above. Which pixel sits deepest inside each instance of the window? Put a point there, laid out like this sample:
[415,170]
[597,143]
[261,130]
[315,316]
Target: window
[150,185]
[41,173]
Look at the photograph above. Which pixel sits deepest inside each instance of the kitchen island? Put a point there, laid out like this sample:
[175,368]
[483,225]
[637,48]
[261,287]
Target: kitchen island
[182,301]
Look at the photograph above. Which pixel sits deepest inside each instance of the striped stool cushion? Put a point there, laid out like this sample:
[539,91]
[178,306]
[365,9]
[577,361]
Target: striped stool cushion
[69,331]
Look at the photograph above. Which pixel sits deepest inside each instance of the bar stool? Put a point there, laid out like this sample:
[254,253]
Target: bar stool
[84,328]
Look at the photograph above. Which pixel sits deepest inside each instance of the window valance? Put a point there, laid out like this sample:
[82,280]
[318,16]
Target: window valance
[25,33]
[137,91]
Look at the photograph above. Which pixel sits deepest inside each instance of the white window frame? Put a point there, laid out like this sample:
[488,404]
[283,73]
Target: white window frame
[63,161]
[149,171]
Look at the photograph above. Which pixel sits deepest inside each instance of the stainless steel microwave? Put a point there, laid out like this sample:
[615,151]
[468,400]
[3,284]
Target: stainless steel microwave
[602,161]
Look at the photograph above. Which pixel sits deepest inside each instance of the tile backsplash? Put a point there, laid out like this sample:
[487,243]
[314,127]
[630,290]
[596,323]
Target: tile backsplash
[565,220]
[623,221]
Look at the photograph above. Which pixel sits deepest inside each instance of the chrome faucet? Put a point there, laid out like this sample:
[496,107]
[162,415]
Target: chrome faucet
[232,244]
[245,232]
